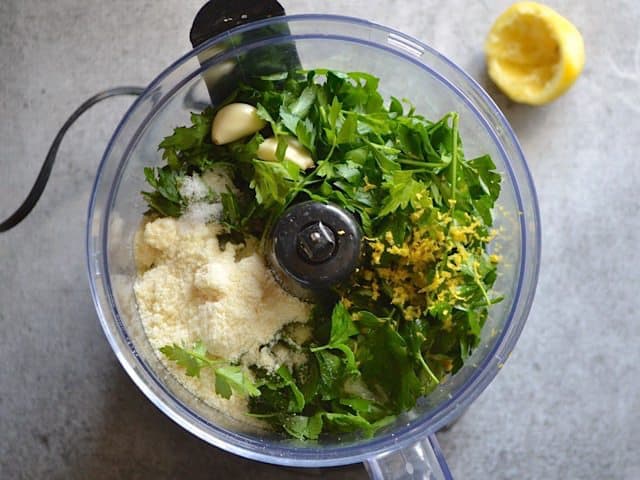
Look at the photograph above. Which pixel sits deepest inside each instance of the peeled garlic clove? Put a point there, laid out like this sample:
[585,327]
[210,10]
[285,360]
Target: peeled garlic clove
[235,121]
[267,149]
[295,152]
[298,154]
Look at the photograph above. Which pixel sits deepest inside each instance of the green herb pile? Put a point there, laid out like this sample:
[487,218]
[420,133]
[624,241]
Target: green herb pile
[413,311]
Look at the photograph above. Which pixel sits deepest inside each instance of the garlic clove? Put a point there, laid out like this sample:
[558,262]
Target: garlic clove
[295,152]
[235,121]
[267,149]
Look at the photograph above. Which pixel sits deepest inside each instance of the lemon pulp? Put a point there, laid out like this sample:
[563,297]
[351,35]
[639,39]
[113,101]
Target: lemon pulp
[533,53]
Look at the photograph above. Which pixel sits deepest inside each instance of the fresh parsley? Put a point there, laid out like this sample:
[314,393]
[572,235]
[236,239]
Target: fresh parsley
[414,311]
[228,378]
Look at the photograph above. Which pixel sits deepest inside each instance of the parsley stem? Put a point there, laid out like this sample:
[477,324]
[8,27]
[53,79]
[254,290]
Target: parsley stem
[454,156]
[418,163]
[204,358]
[330,154]
[478,280]
[426,367]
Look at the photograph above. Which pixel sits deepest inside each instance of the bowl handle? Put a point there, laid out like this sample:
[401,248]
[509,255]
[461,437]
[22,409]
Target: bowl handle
[422,460]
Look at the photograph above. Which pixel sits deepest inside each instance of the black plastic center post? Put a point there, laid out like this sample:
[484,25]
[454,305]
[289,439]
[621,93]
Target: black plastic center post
[315,245]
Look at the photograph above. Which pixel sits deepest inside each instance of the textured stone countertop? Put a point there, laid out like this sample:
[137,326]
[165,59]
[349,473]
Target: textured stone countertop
[567,403]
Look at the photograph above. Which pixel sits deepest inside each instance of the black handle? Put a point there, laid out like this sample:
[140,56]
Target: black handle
[219,16]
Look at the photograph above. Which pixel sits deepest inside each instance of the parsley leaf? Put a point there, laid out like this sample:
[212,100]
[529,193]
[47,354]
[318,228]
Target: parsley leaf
[233,377]
[303,427]
[402,189]
[386,364]
[273,181]
[297,403]
[228,378]
[193,359]
[300,108]
[342,326]
[166,198]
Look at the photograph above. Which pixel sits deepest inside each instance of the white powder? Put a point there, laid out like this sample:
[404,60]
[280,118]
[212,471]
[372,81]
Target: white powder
[203,212]
[189,289]
[193,188]
[198,191]
[198,187]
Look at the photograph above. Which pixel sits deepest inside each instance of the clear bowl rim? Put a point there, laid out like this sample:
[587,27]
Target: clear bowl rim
[326,456]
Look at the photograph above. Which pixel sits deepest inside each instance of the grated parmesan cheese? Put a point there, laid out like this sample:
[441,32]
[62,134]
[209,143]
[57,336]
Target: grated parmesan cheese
[189,288]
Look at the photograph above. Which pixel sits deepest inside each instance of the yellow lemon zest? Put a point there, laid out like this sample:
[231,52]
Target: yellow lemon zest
[417,215]
[378,249]
[389,238]
[346,302]
[375,290]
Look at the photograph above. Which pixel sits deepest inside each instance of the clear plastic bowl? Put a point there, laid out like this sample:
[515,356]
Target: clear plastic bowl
[406,68]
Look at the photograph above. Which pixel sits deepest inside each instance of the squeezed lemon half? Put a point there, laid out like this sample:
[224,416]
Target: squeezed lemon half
[534,54]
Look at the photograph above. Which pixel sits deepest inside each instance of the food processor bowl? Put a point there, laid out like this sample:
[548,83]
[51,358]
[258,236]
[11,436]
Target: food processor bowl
[407,69]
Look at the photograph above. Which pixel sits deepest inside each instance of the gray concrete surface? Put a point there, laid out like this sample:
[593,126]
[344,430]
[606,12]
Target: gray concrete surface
[567,404]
